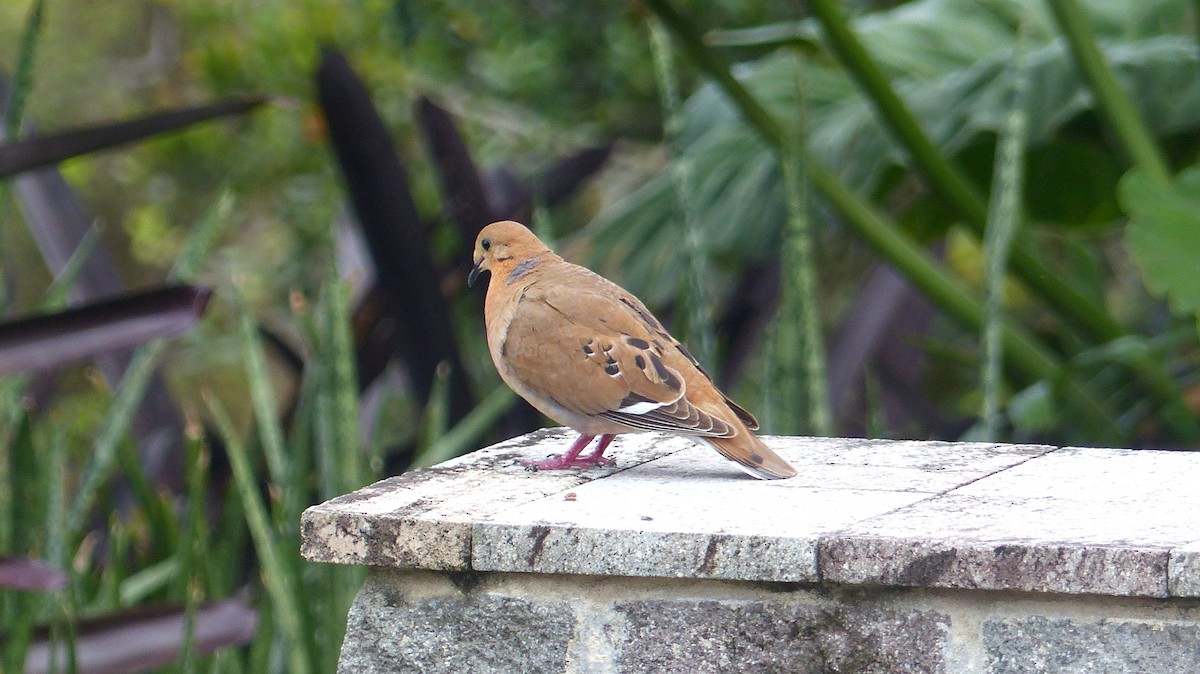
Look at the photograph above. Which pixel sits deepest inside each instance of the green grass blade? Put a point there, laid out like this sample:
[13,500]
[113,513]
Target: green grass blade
[193,541]
[325,446]
[55,297]
[112,431]
[262,396]
[435,422]
[144,583]
[23,77]
[55,498]
[157,510]
[283,585]
[203,238]
[18,607]
[14,111]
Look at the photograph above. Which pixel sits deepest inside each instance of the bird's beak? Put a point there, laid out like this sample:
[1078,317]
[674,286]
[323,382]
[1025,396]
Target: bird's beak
[474,273]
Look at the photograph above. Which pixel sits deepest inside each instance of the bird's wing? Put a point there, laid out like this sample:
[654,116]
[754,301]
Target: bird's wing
[673,348]
[582,347]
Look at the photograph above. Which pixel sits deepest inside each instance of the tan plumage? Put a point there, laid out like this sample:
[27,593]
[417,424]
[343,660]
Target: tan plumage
[589,355]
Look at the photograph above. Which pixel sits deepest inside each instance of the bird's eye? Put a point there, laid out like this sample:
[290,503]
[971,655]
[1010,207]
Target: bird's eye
[485,244]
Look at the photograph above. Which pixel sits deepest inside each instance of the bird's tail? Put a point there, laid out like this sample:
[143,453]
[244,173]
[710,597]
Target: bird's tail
[752,456]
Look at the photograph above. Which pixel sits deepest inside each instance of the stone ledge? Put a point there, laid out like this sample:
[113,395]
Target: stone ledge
[887,513]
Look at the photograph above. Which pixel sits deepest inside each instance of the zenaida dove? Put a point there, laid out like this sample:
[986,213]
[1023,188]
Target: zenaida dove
[590,356]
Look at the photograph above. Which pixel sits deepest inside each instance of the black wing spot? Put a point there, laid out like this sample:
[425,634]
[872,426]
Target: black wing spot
[641,362]
[663,373]
[587,348]
[756,458]
[637,343]
[611,367]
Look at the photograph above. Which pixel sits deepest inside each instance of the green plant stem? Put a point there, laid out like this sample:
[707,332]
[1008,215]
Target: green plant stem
[458,440]
[941,173]
[698,330]
[1029,357]
[1003,222]
[344,381]
[1138,143]
[1113,103]
[283,585]
[799,296]
[1196,19]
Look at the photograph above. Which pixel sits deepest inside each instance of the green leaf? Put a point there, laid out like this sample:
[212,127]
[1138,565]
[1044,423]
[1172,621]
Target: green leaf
[1164,235]
[1033,409]
[948,60]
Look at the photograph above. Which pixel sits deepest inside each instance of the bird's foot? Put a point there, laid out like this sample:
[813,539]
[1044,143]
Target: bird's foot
[572,459]
[564,461]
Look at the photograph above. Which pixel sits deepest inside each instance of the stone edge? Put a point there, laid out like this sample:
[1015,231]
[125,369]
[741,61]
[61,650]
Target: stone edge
[1062,568]
[1183,571]
[534,549]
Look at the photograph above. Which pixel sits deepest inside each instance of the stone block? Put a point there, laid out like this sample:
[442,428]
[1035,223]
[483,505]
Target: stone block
[1183,572]
[1003,564]
[1076,520]
[706,637]
[1040,644]
[393,630]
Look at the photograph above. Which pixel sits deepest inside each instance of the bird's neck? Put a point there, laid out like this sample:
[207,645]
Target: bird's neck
[508,283]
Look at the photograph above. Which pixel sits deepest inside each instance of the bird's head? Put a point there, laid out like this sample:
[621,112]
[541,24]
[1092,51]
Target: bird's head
[501,247]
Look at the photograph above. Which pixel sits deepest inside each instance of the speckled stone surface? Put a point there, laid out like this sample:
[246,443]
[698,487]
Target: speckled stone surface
[1075,520]
[1183,571]
[392,629]
[860,513]
[1034,644]
[424,519]
[685,637]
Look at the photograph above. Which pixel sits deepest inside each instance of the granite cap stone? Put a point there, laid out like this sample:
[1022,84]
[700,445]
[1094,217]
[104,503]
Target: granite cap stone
[862,512]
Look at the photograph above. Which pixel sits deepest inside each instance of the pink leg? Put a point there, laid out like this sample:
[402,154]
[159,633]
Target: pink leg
[571,458]
[597,457]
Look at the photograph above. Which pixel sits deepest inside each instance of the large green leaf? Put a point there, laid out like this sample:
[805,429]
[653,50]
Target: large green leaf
[949,62]
[1164,235]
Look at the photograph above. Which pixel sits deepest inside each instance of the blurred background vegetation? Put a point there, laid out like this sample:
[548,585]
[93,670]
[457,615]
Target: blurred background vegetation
[949,219]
